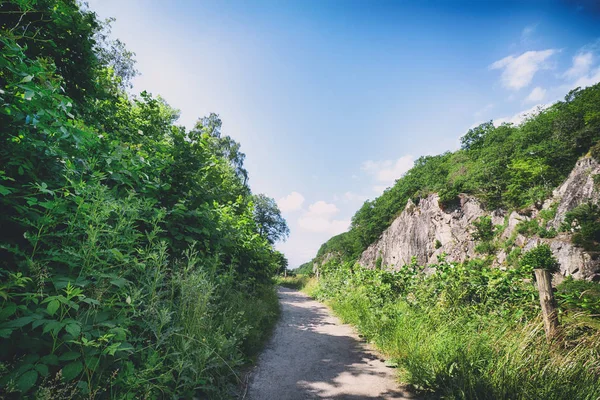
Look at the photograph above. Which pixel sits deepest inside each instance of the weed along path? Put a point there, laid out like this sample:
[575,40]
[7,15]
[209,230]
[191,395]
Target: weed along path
[312,355]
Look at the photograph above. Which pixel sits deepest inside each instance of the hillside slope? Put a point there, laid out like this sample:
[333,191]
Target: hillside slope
[520,180]
[426,231]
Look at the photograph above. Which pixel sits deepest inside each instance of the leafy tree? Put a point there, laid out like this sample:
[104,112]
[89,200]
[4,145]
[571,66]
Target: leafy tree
[475,137]
[271,225]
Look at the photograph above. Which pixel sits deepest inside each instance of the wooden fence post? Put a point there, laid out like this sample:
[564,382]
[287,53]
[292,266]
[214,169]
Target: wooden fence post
[549,312]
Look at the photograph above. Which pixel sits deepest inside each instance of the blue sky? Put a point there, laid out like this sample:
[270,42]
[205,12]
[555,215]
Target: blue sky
[333,100]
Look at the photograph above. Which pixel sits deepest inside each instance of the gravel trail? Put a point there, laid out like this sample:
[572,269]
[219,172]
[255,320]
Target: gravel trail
[312,355]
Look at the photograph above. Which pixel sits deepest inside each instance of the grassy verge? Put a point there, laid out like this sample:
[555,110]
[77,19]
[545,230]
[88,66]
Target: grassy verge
[467,332]
[304,283]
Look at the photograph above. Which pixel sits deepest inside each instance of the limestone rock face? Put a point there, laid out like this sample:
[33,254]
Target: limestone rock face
[416,231]
[578,188]
[425,230]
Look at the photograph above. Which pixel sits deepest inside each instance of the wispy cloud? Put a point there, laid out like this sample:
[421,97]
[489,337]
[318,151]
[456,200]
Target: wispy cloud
[484,110]
[528,31]
[518,71]
[582,63]
[537,95]
[351,197]
[291,202]
[521,116]
[388,170]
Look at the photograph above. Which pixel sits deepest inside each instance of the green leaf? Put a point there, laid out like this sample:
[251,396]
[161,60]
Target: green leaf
[51,359]
[28,95]
[5,333]
[28,78]
[27,380]
[53,307]
[19,322]
[31,358]
[70,355]
[119,282]
[54,326]
[4,190]
[72,370]
[92,363]
[7,311]
[42,369]
[73,329]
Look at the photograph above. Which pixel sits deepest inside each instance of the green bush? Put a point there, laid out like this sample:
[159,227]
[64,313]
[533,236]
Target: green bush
[540,257]
[579,295]
[595,151]
[584,222]
[484,229]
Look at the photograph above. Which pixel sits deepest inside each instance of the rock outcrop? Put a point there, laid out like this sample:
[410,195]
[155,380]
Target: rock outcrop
[425,231]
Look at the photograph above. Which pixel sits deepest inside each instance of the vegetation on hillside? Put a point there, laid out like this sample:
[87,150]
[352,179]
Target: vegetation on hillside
[134,260]
[507,166]
[467,330]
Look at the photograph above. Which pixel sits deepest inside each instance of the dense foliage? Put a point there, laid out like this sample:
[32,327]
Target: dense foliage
[132,264]
[469,331]
[506,166]
[584,222]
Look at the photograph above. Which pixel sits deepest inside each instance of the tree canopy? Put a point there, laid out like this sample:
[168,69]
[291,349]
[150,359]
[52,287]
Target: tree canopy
[271,225]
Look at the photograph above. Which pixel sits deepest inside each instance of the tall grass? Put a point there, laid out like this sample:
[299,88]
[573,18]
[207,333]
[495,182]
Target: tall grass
[451,335]
[298,282]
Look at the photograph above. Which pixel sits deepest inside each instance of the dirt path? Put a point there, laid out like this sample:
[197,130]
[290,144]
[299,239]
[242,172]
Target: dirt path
[312,355]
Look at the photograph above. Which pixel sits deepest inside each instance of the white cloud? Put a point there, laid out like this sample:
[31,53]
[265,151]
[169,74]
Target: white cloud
[322,224]
[537,94]
[528,31]
[588,80]
[388,171]
[521,116]
[319,218]
[322,208]
[351,197]
[291,202]
[379,189]
[518,71]
[581,66]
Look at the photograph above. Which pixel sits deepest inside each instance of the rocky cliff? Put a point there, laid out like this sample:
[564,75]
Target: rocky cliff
[426,230]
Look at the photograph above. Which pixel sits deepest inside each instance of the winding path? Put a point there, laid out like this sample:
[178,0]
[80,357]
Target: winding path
[312,355]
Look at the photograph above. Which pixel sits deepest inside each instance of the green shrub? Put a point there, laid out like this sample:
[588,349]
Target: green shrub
[486,248]
[540,257]
[584,222]
[579,295]
[513,257]
[595,152]
[484,229]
